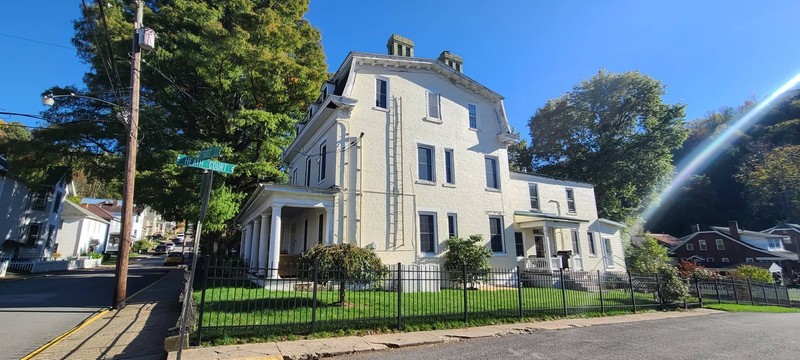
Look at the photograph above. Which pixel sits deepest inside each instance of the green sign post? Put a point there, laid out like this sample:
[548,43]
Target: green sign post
[209,153]
[205,164]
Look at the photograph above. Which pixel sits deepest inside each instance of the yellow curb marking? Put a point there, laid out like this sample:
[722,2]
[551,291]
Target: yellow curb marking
[63,336]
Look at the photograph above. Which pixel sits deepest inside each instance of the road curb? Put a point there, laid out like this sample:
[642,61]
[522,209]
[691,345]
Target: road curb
[66,334]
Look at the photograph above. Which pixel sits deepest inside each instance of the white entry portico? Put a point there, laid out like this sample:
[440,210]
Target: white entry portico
[267,242]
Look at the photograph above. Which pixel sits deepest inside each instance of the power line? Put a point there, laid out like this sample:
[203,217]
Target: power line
[37,41]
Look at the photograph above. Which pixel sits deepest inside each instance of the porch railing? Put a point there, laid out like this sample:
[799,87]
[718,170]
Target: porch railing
[541,264]
[534,264]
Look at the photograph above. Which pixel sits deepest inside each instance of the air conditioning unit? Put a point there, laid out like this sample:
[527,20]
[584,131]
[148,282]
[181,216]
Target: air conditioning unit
[147,38]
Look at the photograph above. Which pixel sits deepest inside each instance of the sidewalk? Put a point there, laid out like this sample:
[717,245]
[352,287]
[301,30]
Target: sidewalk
[135,332]
[317,348]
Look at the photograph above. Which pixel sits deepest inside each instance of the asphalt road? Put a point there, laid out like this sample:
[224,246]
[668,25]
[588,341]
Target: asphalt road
[721,336]
[34,311]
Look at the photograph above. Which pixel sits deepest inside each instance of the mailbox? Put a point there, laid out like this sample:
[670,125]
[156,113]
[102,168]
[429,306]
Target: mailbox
[564,255]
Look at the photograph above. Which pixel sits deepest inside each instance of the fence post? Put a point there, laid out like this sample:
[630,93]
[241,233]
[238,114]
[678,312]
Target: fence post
[563,290]
[750,290]
[399,296]
[735,293]
[633,296]
[777,299]
[699,294]
[716,288]
[466,307]
[788,296]
[764,292]
[658,293]
[314,297]
[519,291]
[202,300]
[600,288]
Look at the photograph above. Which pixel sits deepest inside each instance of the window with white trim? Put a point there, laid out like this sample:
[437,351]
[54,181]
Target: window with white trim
[570,200]
[308,172]
[576,246]
[492,178]
[323,161]
[39,200]
[427,232]
[702,244]
[519,245]
[725,260]
[689,247]
[382,93]
[774,244]
[533,193]
[473,116]
[449,167]
[592,245]
[720,244]
[496,235]
[434,105]
[749,260]
[711,259]
[452,225]
[425,163]
[294,176]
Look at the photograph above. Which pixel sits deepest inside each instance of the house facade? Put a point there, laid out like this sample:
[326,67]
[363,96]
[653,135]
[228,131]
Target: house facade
[82,231]
[30,215]
[725,248]
[790,234]
[398,154]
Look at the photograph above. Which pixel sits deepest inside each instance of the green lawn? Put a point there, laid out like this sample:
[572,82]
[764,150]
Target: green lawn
[753,308]
[288,312]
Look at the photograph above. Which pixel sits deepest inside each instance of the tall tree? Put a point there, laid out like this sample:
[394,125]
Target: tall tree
[772,180]
[614,131]
[230,73]
[520,156]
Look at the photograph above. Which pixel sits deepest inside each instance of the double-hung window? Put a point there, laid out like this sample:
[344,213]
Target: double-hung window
[774,244]
[519,245]
[294,176]
[425,161]
[576,246]
[689,247]
[382,93]
[570,200]
[39,200]
[496,234]
[473,116]
[33,234]
[323,157]
[434,106]
[702,244]
[720,244]
[452,225]
[492,179]
[308,172]
[592,246]
[427,233]
[449,168]
[533,192]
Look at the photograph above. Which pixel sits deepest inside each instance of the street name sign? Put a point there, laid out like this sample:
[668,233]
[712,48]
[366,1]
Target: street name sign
[209,153]
[212,165]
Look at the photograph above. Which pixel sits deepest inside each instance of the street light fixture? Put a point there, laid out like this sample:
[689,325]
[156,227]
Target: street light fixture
[123,115]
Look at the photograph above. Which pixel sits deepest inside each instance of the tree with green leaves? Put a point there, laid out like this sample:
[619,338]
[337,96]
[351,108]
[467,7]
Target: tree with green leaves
[614,131]
[753,273]
[342,264]
[232,73]
[646,258]
[772,180]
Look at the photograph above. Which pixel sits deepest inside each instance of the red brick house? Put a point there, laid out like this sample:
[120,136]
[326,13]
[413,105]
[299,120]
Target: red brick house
[725,248]
[791,234]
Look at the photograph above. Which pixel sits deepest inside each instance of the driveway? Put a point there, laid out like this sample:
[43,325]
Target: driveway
[33,311]
[721,336]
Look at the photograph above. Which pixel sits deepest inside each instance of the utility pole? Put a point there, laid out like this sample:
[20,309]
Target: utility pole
[121,274]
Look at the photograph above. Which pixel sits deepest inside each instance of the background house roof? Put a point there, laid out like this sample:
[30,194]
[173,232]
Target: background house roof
[664,239]
[72,209]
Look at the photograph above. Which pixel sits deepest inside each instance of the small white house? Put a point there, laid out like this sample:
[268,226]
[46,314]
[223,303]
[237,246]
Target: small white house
[399,153]
[81,232]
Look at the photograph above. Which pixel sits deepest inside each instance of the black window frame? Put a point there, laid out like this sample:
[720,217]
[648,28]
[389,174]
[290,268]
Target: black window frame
[382,95]
[308,171]
[427,237]
[494,181]
[323,161]
[496,239]
[452,225]
[534,196]
[592,244]
[39,201]
[570,193]
[431,166]
[519,244]
[320,229]
[31,241]
[449,167]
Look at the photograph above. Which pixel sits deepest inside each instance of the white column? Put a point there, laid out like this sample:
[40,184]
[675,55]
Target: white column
[248,241]
[329,220]
[254,245]
[548,251]
[242,240]
[274,242]
[262,248]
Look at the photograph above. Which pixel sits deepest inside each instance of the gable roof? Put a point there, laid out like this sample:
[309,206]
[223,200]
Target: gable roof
[665,239]
[70,207]
[788,255]
[105,215]
[784,226]
[755,234]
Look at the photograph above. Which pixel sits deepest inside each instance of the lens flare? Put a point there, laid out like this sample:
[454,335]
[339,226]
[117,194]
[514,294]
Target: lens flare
[713,146]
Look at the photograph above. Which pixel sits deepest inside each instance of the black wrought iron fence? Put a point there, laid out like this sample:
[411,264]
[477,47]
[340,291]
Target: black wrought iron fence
[240,302]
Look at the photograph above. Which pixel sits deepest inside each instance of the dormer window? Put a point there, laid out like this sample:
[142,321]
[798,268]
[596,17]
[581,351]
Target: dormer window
[774,244]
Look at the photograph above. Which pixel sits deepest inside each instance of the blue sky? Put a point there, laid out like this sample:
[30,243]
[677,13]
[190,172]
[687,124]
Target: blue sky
[709,53]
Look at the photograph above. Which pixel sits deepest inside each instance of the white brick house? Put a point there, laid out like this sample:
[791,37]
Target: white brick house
[399,153]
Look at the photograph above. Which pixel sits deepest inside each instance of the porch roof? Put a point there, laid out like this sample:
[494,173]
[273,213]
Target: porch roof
[269,194]
[527,219]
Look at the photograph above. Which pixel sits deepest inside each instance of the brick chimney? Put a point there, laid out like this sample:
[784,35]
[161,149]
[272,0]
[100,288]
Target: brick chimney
[695,228]
[733,228]
[452,60]
[400,46]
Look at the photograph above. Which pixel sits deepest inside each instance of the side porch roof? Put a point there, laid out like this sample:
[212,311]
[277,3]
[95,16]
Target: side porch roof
[530,219]
[269,194]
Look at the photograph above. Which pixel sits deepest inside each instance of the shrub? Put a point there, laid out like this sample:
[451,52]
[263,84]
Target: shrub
[467,252]
[343,263]
[673,288]
[753,273]
[142,245]
[56,255]
[646,258]
[95,255]
[688,269]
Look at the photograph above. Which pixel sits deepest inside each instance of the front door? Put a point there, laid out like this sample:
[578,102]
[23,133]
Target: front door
[608,254]
[538,242]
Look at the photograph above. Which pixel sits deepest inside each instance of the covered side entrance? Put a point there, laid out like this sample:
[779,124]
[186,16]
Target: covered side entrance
[279,223]
[551,240]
